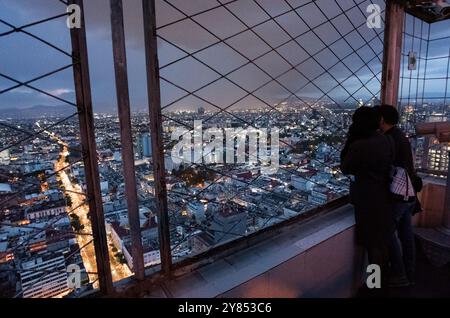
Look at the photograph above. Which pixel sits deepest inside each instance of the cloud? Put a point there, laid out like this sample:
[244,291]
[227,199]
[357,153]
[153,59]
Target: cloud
[190,37]
[61,91]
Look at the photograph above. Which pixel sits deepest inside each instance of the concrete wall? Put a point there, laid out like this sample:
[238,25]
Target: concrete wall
[332,268]
[432,198]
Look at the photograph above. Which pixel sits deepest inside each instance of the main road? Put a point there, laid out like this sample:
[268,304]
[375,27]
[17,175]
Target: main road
[74,191]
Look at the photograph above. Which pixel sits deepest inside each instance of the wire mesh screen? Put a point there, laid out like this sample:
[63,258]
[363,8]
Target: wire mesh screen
[424,88]
[46,236]
[256,95]
[44,229]
[289,72]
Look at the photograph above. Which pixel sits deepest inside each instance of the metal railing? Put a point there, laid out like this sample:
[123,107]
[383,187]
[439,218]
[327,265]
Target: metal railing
[310,73]
[225,76]
[91,245]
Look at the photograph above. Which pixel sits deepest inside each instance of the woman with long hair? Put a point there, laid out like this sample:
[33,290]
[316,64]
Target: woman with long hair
[367,158]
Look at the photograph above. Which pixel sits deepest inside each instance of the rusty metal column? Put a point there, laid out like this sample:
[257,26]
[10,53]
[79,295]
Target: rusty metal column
[154,100]
[126,136]
[87,135]
[393,38]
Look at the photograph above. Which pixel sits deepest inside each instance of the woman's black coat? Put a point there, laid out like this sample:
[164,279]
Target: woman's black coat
[369,160]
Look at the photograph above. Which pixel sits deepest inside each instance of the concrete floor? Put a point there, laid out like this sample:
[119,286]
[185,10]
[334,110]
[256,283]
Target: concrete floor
[431,282]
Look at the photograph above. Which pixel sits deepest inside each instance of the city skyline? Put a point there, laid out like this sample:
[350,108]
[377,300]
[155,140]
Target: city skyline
[257,99]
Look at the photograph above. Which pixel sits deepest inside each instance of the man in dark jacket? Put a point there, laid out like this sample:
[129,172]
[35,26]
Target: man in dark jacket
[402,256]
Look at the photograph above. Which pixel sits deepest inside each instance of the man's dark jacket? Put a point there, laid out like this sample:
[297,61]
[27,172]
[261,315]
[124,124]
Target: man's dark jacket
[403,155]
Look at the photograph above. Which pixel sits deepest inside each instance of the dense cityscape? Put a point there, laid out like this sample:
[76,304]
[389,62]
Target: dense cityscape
[42,179]
[295,74]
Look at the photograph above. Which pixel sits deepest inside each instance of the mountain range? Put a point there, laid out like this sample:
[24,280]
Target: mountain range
[37,111]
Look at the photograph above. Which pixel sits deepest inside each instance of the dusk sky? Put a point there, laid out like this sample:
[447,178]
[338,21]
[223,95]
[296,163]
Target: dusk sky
[23,58]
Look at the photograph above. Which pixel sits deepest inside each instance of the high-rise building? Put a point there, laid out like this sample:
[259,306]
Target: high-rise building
[201,111]
[4,155]
[433,155]
[44,276]
[438,157]
[144,146]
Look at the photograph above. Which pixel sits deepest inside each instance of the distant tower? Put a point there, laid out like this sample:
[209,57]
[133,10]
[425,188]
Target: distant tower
[375,102]
[201,111]
[360,103]
[144,146]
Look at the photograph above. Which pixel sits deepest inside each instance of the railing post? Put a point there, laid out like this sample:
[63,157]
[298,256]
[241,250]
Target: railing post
[87,135]
[154,100]
[123,104]
[392,55]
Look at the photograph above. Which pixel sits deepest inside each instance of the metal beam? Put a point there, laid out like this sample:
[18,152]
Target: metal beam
[154,100]
[126,135]
[441,130]
[87,135]
[393,38]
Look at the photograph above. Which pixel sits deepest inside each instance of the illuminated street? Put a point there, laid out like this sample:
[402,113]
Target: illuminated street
[73,190]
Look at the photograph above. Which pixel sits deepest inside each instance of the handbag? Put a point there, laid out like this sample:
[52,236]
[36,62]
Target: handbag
[417,207]
[401,186]
[417,183]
